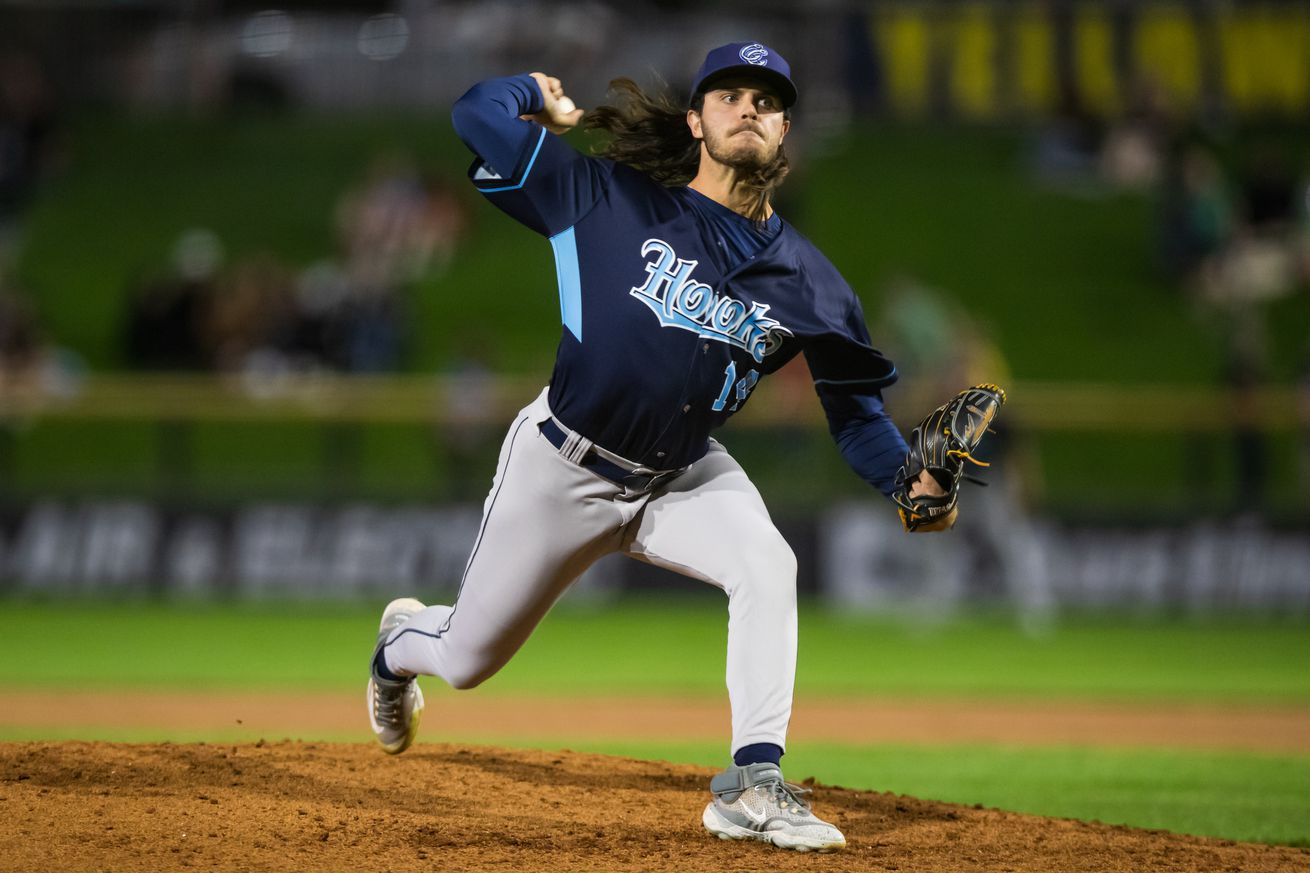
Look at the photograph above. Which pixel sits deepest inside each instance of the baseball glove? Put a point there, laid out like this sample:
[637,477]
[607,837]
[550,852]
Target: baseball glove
[941,444]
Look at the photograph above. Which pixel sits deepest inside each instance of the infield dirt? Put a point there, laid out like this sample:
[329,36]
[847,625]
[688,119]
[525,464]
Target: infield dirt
[314,806]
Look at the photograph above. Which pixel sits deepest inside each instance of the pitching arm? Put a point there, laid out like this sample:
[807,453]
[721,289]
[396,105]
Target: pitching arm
[534,177]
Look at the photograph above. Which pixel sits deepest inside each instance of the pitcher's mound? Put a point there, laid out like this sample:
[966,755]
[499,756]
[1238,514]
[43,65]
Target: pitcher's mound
[302,806]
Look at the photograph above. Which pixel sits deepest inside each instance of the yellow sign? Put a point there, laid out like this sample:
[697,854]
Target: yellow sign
[985,60]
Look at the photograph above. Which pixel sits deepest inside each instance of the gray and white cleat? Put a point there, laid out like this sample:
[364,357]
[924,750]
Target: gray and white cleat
[394,706]
[754,803]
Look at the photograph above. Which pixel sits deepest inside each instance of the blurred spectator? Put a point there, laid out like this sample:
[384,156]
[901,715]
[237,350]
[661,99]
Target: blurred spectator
[28,362]
[1301,232]
[995,525]
[1132,156]
[27,125]
[1245,374]
[20,344]
[919,326]
[1196,215]
[1303,405]
[1067,146]
[1260,264]
[166,317]
[374,335]
[322,292]
[1253,269]
[1269,192]
[345,315]
[398,225]
[250,315]
[342,324]
[944,350]
[1231,243]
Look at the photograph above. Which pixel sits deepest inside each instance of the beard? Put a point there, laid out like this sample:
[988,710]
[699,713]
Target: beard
[744,154]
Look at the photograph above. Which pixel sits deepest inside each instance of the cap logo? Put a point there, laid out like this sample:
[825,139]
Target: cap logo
[755,54]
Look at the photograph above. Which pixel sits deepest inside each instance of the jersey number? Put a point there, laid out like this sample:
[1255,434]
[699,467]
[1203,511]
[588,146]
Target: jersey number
[744,387]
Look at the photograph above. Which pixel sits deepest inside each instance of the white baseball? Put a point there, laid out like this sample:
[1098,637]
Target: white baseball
[564,106]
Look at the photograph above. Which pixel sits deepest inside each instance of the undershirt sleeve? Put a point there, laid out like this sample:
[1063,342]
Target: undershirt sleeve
[849,375]
[866,436]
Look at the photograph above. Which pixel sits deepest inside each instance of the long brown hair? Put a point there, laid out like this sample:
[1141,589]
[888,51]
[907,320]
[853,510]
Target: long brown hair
[650,134]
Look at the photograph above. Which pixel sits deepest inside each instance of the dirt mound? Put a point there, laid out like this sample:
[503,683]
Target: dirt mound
[281,806]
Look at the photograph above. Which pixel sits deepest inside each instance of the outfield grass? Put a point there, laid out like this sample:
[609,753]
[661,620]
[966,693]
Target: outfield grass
[678,649]
[665,647]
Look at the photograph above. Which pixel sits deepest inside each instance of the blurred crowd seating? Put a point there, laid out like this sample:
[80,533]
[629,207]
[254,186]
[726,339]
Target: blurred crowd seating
[344,313]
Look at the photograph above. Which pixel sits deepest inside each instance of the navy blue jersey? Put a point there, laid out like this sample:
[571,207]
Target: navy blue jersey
[666,330]
[738,237]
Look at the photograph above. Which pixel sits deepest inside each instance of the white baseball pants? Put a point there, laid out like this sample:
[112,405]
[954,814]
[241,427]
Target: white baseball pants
[547,519]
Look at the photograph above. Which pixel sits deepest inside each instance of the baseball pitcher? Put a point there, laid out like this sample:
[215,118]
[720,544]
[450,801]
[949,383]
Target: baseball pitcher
[679,289]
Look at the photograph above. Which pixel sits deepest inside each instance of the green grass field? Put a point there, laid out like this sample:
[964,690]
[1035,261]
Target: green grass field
[579,651]
[677,649]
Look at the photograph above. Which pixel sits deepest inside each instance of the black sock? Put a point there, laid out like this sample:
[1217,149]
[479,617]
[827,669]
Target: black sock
[380,668]
[758,753]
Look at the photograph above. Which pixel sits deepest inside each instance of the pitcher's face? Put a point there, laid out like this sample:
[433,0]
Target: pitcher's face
[741,124]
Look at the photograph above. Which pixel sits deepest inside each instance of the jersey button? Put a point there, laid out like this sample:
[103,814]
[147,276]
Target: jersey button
[686,409]
[659,454]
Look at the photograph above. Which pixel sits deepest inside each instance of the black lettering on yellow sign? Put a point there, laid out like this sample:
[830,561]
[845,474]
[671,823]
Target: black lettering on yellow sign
[984,59]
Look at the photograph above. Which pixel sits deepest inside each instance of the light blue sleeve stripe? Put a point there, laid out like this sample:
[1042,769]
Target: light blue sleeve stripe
[531,161]
[570,281]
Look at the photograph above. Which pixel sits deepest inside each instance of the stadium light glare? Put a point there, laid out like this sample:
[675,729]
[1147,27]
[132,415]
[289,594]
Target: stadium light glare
[383,37]
[267,34]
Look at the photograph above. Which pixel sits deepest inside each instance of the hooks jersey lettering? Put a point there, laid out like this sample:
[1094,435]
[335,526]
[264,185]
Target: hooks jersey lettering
[680,301]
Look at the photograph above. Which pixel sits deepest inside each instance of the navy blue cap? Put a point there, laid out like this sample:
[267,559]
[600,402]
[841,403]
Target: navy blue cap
[746,59]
